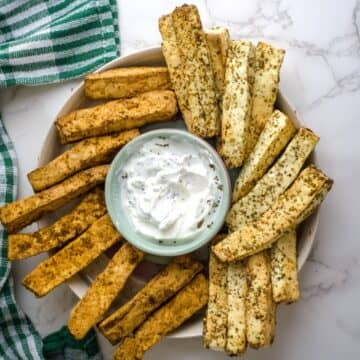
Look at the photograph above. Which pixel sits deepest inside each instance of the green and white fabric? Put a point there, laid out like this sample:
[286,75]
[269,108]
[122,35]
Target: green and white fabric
[45,42]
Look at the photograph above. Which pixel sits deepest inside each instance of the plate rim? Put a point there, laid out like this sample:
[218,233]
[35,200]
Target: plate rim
[77,283]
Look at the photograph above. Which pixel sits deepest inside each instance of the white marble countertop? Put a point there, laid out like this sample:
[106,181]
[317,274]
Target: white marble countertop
[321,78]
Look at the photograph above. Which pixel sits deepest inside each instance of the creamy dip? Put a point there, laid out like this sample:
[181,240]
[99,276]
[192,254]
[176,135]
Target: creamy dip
[170,189]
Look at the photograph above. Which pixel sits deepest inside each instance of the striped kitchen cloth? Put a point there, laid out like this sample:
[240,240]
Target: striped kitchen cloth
[42,42]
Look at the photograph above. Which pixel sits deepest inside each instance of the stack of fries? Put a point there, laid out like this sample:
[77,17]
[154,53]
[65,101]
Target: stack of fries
[253,267]
[224,89]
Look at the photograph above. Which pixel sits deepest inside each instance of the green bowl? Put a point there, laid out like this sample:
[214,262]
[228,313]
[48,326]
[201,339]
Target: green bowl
[124,225]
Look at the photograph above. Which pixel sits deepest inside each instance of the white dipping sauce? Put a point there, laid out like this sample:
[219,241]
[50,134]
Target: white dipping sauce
[170,189]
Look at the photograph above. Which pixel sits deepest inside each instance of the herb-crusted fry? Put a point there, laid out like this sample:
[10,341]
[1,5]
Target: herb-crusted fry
[215,321]
[126,82]
[23,212]
[180,308]
[165,284]
[277,132]
[104,290]
[85,154]
[72,258]
[284,215]
[117,115]
[284,274]
[71,225]
[236,316]
[268,60]
[175,66]
[274,182]
[218,42]
[235,123]
[259,302]
[198,73]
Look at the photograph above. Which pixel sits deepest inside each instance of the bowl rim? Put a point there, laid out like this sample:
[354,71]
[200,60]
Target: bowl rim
[123,224]
[77,283]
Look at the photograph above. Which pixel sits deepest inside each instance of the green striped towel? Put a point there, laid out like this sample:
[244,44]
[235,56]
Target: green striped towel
[45,42]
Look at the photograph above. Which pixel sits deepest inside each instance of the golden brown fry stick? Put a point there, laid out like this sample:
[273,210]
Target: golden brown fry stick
[236,317]
[284,274]
[175,66]
[165,284]
[235,122]
[268,60]
[278,130]
[85,154]
[18,214]
[117,115]
[186,303]
[71,225]
[218,40]
[285,214]
[197,69]
[73,257]
[260,308]
[126,82]
[274,182]
[215,321]
[102,292]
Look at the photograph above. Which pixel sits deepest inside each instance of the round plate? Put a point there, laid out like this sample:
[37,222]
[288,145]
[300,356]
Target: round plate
[52,147]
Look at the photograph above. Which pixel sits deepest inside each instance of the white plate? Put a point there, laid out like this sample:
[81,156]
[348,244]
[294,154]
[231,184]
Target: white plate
[51,148]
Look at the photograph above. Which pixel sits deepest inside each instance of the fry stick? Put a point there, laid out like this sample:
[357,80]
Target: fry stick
[215,321]
[274,182]
[72,258]
[236,316]
[18,214]
[165,284]
[218,40]
[277,132]
[259,302]
[235,123]
[284,275]
[126,82]
[71,225]
[186,303]
[117,115]
[198,73]
[175,66]
[85,154]
[268,60]
[103,291]
[284,215]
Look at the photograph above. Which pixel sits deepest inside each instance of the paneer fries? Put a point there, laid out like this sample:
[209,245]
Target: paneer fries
[117,115]
[274,182]
[180,308]
[278,130]
[85,154]
[235,122]
[284,215]
[198,73]
[104,290]
[126,82]
[72,258]
[268,60]
[68,227]
[284,274]
[218,40]
[23,212]
[165,284]
[215,321]
[260,307]
[176,66]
